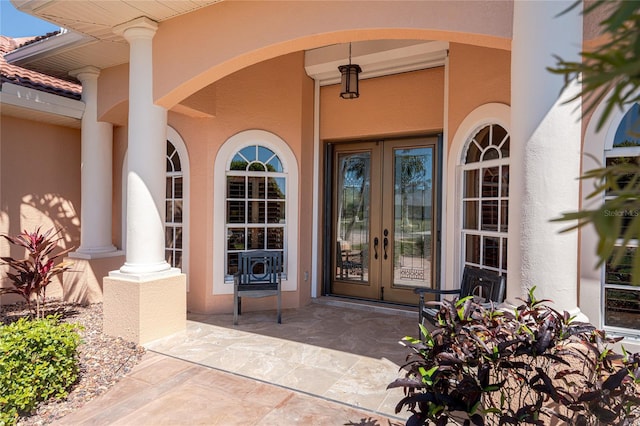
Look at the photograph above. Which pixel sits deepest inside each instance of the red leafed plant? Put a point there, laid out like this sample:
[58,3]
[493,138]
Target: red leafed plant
[530,365]
[31,276]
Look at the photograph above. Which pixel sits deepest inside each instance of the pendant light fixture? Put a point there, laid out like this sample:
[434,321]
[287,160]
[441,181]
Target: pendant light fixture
[349,79]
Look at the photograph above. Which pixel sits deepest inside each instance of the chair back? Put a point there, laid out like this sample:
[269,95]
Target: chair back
[260,267]
[339,254]
[483,284]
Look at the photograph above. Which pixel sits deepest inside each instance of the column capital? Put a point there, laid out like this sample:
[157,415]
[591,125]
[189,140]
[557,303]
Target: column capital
[85,72]
[142,27]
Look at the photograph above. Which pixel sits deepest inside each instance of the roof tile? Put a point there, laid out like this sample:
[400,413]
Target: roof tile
[35,80]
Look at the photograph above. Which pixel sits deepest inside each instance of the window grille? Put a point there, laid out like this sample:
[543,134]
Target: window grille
[485,199]
[255,204]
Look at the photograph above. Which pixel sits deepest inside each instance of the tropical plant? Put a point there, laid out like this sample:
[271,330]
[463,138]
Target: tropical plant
[531,365]
[610,75]
[31,276]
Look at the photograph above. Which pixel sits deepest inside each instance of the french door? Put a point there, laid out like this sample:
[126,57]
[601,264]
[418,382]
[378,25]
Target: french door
[384,204]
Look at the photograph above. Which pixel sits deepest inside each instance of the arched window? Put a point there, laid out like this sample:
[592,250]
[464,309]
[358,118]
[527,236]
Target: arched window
[485,199]
[621,298]
[174,208]
[255,204]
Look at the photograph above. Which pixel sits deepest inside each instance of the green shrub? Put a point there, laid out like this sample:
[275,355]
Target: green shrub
[37,362]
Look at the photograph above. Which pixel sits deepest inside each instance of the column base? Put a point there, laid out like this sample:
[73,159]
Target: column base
[142,311]
[144,271]
[98,253]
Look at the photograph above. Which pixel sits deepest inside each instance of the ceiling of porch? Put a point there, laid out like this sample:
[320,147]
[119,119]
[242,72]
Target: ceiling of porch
[91,40]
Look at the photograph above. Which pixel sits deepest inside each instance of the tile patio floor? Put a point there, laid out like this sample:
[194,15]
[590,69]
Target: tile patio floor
[328,363]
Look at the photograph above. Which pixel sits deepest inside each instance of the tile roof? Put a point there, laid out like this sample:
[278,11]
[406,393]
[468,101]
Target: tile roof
[15,74]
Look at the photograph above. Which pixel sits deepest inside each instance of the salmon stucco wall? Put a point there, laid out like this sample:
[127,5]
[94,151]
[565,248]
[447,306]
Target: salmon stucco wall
[275,96]
[477,76]
[229,36]
[39,184]
[399,104]
[119,154]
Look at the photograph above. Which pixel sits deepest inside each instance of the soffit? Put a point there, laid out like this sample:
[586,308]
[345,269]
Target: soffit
[39,116]
[94,21]
[376,58]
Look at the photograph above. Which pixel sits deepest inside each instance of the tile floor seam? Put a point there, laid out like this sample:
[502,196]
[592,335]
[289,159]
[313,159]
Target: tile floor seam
[163,387]
[322,397]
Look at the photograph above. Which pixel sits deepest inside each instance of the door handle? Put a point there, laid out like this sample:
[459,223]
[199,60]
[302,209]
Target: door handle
[375,247]
[385,244]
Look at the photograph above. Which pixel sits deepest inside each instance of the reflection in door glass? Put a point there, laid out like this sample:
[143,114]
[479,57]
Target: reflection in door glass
[352,225]
[413,209]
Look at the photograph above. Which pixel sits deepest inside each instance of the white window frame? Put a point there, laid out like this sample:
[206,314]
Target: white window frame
[221,283]
[612,152]
[480,166]
[490,113]
[245,225]
[173,224]
[598,145]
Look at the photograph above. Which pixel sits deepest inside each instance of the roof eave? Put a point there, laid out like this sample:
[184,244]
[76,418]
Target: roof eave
[47,47]
[24,97]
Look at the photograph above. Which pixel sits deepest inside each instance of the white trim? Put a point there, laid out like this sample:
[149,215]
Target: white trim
[445,182]
[174,137]
[322,64]
[24,97]
[595,144]
[315,220]
[492,113]
[290,165]
[47,47]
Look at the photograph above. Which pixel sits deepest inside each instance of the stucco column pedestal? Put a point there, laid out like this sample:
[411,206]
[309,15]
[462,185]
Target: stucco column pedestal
[142,311]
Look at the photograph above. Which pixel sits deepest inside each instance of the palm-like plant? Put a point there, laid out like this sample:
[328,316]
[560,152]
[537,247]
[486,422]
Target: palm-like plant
[31,276]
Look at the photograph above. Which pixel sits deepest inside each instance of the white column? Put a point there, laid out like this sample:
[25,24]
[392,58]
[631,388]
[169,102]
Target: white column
[545,153]
[96,182]
[146,160]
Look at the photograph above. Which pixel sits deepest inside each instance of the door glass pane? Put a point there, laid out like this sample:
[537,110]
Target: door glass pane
[352,222]
[413,209]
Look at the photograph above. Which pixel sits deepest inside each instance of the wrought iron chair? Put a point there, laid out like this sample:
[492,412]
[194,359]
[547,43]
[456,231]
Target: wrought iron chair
[349,263]
[259,275]
[486,285]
